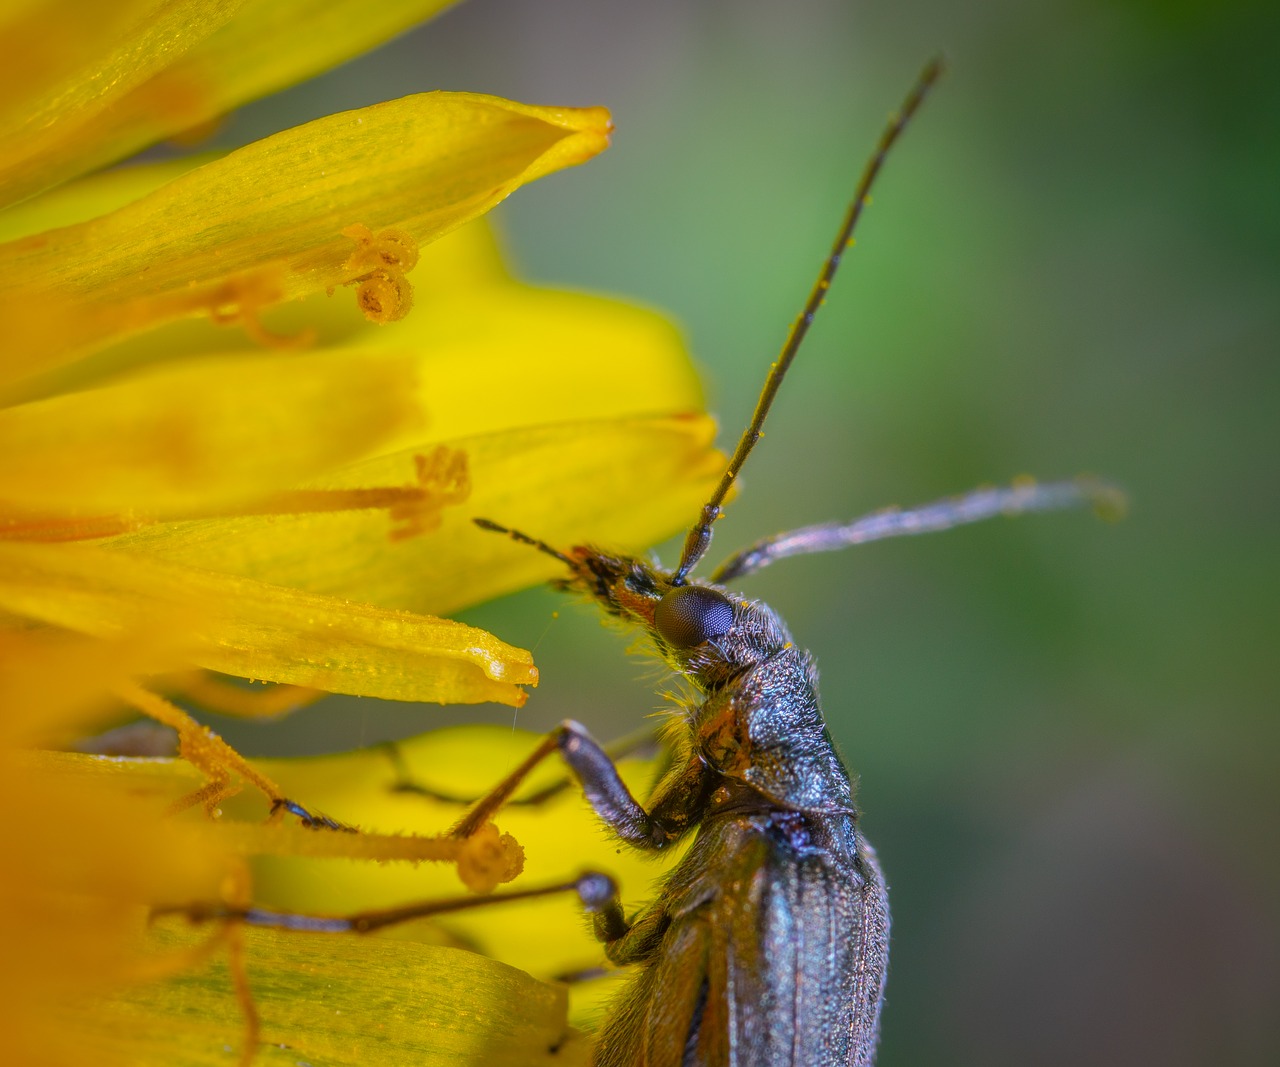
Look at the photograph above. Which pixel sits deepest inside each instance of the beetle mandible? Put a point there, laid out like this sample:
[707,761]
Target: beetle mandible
[768,942]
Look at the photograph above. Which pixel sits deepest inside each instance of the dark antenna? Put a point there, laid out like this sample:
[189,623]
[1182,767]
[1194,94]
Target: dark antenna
[525,539]
[698,539]
[1022,498]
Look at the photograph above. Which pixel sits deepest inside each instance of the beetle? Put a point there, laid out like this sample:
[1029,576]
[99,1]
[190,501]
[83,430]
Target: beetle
[768,942]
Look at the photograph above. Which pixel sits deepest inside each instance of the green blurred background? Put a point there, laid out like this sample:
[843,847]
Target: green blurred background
[1066,731]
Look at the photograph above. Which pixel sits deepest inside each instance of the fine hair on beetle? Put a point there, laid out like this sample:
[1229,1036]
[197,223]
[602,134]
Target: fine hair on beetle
[767,943]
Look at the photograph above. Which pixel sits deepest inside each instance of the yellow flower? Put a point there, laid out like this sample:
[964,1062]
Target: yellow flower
[248,408]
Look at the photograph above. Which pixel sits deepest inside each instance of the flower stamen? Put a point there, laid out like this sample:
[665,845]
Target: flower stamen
[390,248]
[384,296]
[441,480]
[380,262]
[241,299]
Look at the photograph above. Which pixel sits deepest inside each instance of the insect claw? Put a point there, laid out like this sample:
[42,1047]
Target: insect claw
[312,822]
[596,891]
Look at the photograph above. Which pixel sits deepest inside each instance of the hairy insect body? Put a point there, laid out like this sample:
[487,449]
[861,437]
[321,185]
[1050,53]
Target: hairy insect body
[768,943]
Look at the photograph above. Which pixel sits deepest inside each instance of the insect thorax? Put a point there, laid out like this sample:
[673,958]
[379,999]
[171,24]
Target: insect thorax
[765,729]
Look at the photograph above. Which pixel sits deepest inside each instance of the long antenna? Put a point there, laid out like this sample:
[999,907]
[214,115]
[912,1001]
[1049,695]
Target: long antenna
[525,539]
[698,539]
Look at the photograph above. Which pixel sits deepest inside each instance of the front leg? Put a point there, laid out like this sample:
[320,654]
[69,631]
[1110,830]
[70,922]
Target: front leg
[407,779]
[681,796]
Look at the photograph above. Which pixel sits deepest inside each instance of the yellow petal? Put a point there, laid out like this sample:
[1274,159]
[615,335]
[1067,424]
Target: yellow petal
[493,355]
[464,265]
[87,83]
[298,980]
[561,837]
[622,483]
[70,842]
[481,862]
[267,222]
[67,63]
[98,194]
[253,630]
[515,356]
[92,858]
[202,433]
[81,863]
[338,1000]
[55,686]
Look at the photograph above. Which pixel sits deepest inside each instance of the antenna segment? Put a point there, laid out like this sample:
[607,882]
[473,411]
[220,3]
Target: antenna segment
[698,540]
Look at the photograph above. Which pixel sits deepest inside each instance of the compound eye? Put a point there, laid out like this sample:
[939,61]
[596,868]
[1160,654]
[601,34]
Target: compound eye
[691,614]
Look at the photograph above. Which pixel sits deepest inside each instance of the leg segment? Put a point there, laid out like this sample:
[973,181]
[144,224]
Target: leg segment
[208,753]
[597,892]
[406,782]
[603,787]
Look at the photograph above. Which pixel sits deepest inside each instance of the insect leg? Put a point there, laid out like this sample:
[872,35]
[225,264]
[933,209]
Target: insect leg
[604,789]
[596,891]
[407,782]
[218,761]
[630,941]
[661,1021]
